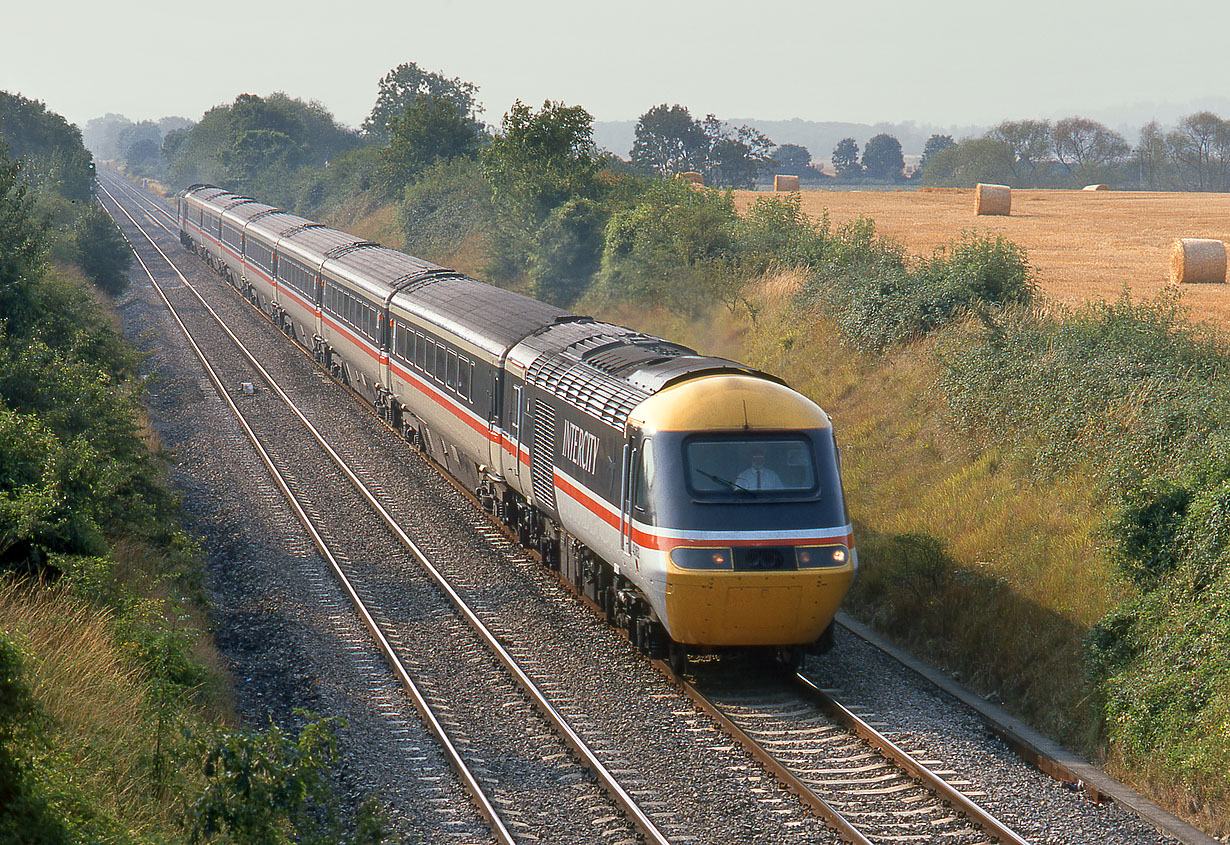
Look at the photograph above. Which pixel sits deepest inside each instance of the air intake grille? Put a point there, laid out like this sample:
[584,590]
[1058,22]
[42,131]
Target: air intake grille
[542,458]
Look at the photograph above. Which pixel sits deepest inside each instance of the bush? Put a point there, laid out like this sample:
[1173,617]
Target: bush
[1128,387]
[1139,395]
[342,182]
[675,246]
[568,252]
[776,233]
[267,788]
[448,205]
[880,299]
[102,251]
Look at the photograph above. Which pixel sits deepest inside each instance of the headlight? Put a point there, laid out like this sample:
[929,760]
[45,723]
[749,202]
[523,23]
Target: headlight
[690,557]
[815,557]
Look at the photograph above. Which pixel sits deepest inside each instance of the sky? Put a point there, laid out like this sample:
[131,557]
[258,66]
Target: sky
[938,62]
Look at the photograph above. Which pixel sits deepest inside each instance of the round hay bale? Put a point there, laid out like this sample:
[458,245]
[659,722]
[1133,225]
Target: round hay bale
[1095,188]
[692,177]
[992,199]
[782,182]
[1196,261]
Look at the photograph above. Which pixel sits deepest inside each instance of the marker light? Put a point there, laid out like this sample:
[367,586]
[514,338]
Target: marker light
[815,557]
[691,557]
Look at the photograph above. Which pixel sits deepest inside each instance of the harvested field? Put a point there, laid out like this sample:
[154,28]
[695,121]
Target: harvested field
[1084,244]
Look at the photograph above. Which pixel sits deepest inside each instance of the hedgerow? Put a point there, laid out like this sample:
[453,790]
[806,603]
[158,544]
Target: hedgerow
[881,298]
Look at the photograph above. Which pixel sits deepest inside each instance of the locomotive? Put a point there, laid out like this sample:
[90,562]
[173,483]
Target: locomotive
[695,500]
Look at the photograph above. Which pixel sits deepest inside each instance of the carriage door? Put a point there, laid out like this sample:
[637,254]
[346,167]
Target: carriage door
[513,461]
[631,480]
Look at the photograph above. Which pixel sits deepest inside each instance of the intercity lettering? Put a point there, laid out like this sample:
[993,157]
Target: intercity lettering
[580,447]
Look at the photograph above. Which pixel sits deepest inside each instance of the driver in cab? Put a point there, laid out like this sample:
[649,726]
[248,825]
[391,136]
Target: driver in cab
[758,476]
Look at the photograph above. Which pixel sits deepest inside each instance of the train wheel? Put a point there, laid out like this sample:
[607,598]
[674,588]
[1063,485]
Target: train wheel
[790,658]
[657,644]
[677,657]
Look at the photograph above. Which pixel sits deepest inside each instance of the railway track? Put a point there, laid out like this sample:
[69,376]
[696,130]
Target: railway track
[865,785]
[862,785]
[396,637]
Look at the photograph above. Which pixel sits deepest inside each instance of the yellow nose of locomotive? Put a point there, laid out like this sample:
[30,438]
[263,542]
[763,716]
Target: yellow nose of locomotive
[735,608]
[750,583]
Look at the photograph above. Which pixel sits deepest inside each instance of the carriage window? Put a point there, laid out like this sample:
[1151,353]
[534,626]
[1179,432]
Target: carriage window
[450,376]
[644,480]
[441,359]
[465,375]
[420,351]
[429,365]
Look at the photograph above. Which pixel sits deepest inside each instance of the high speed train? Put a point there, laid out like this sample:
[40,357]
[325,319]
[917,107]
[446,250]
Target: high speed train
[696,500]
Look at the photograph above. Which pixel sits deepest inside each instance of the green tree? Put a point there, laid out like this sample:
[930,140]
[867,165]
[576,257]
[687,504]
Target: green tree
[144,157]
[102,135]
[1087,148]
[845,159]
[882,158]
[102,251]
[669,141]
[53,156]
[23,243]
[969,162]
[427,132]
[405,85]
[793,160]
[736,155]
[934,144]
[257,145]
[538,162]
[569,251]
[1031,143]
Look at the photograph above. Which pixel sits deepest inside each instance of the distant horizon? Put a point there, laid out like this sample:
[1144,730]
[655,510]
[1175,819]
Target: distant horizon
[950,63]
[616,135]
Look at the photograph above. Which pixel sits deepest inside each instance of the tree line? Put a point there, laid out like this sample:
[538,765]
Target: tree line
[1194,155]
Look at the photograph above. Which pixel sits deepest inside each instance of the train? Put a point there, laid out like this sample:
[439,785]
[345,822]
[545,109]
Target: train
[696,501]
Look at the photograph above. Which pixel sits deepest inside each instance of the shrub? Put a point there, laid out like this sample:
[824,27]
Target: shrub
[102,251]
[449,204]
[568,251]
[1128,387]
[880,299]
[776,233]
[267,788]
[674,246]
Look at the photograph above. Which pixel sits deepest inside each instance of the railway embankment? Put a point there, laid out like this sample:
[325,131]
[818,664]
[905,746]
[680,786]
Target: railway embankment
[1036,491]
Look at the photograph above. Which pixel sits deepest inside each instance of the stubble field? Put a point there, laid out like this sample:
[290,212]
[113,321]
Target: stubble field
[1084,244]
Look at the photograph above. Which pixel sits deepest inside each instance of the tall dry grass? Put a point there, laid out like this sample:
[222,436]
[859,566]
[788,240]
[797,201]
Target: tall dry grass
[103,742]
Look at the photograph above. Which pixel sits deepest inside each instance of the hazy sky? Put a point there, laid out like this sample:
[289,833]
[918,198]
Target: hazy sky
[942,62]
